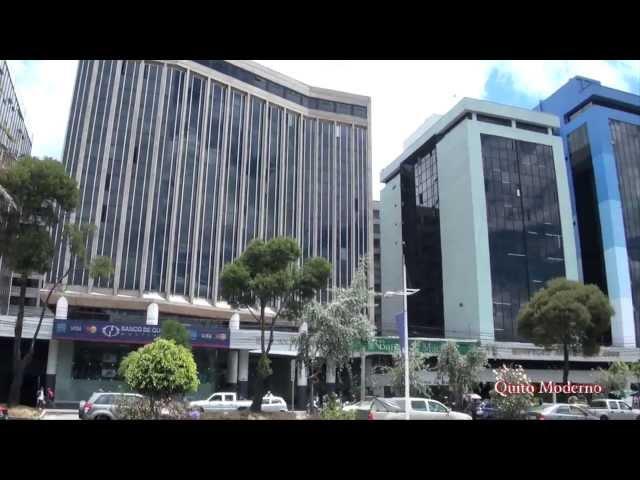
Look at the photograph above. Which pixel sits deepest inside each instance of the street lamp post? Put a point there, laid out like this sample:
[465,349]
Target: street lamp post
[404,293]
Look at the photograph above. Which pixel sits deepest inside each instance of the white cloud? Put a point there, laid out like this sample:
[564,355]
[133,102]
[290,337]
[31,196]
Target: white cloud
[540,78]
[44,90]
[404,93]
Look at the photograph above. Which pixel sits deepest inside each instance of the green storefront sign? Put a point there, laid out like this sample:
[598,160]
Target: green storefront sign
[391,345]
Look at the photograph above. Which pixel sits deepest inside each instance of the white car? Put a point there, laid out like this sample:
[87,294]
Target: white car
[271,403]
[610,409]
[361,405]
[421,409]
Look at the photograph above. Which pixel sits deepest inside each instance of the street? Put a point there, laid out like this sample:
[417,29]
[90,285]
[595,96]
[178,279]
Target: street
[60,415]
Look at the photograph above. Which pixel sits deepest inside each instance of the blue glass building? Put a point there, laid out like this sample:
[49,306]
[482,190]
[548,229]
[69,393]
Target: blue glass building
[600,127]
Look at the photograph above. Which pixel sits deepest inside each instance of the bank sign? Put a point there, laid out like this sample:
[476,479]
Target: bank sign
[391,345]
[91,331]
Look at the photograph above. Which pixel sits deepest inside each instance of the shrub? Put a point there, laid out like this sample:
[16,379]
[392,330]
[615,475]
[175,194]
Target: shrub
[333,411]
[161,371]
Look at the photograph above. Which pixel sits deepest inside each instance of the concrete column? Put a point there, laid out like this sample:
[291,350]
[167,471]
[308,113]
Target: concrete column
[52,364]
[331,377]
[152,314]
[62,308]
[301,390]
[232,369]
[243,373]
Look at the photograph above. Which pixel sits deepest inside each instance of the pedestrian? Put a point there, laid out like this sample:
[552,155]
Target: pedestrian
[51,396]
[40,399]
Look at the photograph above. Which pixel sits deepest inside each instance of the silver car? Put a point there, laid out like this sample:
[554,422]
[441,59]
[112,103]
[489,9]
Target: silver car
[101,405]
[560,411]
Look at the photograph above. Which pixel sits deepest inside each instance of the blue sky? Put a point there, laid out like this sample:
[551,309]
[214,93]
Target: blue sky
[404,93]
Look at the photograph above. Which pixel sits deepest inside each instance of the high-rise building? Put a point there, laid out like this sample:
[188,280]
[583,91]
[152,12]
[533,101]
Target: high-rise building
[481,202]
[180,165]
[14,137]
[601,130]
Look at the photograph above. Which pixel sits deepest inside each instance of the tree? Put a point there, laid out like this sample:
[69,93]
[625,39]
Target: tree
[100,267]
[461,372]
[333,328]
[567,315]
[512,406]
[267,275]
[160,370]
[417,364]
[615,378]
[41,191]
[174,330]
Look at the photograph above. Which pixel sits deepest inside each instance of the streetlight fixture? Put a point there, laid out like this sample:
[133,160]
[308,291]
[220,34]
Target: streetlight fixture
[404,293]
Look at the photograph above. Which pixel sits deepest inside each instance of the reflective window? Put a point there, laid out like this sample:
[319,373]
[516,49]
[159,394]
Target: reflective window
[421,229]
[626,146]
[523,218]
[211,186]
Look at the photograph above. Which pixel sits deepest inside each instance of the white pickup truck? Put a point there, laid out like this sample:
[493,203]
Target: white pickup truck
[610,409]
[221,402]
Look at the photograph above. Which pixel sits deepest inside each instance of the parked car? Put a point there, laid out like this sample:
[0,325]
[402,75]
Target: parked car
[221,402]
[486,411]
[4,413]
[361,405]
[560,411]
[271,403]
[610,409]
[101,405]
[421,409]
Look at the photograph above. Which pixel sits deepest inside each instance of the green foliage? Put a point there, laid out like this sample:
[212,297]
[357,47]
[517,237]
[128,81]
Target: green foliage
[266,274]
[566,313]
[460,371]
[615,378]
[332,410]
[512,406]
[417,364]
[132,408]
[334,327]
[174,330]
[264,366]
[101,268]
[41,191]
[160,370]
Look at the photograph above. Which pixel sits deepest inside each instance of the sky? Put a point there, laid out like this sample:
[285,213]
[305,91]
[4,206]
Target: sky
[404,93]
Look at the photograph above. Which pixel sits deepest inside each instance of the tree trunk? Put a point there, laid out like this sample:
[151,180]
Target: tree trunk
[259,392]
[18,365]
[565,372]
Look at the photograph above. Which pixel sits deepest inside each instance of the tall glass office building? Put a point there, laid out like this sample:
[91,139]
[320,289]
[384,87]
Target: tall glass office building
[601,130]
[479,205]
[182,163]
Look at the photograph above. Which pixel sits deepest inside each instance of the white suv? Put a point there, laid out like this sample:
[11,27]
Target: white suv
[610,409]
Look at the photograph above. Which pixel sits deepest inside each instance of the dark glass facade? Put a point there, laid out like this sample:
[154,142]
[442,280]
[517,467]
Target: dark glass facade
[525,237]
[421,231]
[179,172]
[587,212]
[626,145]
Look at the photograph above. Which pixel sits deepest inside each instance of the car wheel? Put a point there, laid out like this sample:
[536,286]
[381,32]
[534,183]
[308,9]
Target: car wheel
[638,417]
[604,417]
